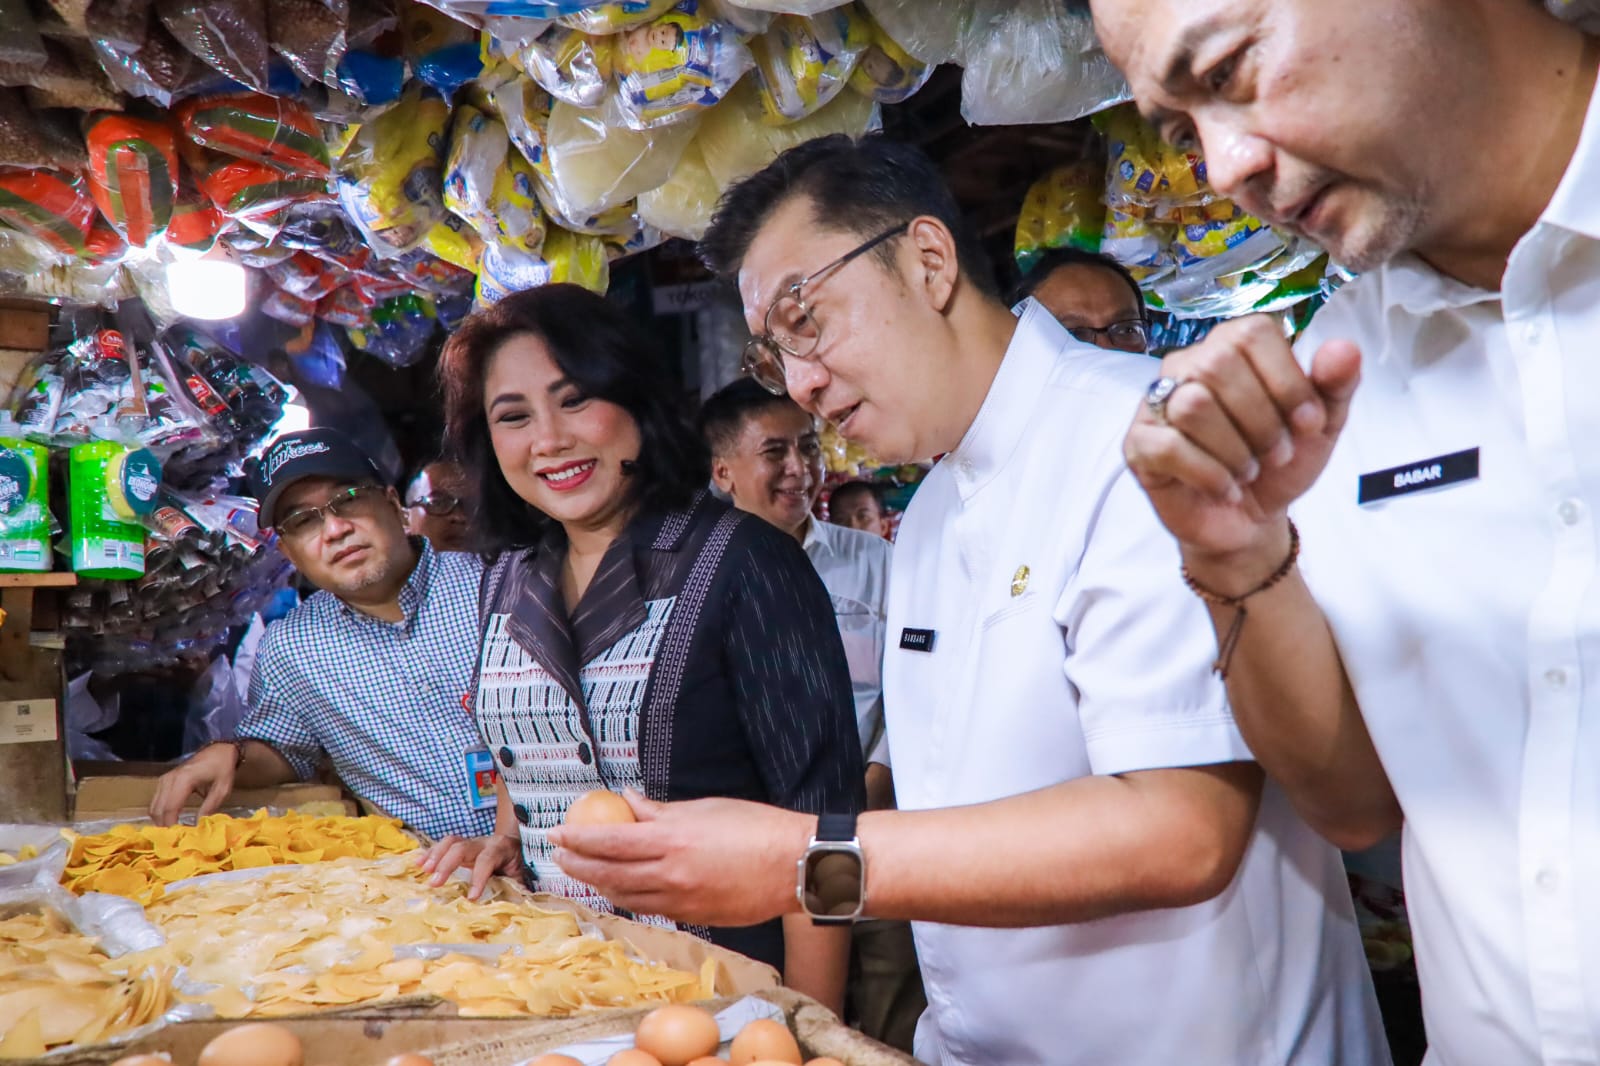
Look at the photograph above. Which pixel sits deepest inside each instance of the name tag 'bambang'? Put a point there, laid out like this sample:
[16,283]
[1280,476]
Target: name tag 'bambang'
[1421,476]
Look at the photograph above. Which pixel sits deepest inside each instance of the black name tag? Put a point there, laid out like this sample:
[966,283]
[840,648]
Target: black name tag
[1420,476]
[916,639]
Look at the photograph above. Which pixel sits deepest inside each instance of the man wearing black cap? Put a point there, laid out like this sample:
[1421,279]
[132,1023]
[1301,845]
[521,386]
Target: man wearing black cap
[370,672]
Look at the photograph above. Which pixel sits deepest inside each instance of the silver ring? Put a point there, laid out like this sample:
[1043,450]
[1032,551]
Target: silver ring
[1157,395]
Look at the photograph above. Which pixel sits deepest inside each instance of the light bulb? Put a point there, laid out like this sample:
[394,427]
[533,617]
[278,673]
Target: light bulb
[207,288]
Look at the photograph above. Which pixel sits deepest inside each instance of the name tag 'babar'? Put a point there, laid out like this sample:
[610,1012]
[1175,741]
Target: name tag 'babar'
[1424,475]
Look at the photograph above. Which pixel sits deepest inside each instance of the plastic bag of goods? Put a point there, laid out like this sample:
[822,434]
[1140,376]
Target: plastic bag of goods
[248,191]
[1062,209]
[54,209]
[795,7]
[444,53]
[679,63]
[227,35]
[682,206]
[618,221]
[1213,265]
[1030,61]
[311,35]
[306,276]
[607,18]
[596,164]
[267,129]
[736,141]
[133,173]
[401,329]
[886,71]
[931,30]
[747,20]
[1138,244]
[491,185]
[390,178]
[346,306]
[578,258]
[422,272]
[34,140]
[456,242]
[571,65]
[157,68]
[506,270]
[1148,178]
[196,222]
[524,108]
[802,63]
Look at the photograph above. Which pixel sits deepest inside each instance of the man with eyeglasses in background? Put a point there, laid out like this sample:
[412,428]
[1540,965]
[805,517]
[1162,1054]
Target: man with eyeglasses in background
[1092,295]
[437,506]
[368,673]
[1064,758]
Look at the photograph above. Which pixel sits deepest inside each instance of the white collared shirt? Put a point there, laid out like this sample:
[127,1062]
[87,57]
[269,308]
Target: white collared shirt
[1063,644]
[854,565]
[1468,617]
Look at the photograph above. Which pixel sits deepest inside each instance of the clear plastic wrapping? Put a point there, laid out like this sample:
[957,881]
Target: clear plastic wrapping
[802,63]
[391,176]
[680,62]
[736,141]
[597,163]
[1034,61]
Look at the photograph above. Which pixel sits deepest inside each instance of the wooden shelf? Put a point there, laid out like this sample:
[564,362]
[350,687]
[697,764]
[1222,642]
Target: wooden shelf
[38,581]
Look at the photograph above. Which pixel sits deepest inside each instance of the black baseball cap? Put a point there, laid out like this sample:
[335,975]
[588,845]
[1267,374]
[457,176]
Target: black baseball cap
[302,454]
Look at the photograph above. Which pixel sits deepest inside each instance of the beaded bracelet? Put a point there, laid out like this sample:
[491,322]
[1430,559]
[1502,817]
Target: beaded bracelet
[1231,640]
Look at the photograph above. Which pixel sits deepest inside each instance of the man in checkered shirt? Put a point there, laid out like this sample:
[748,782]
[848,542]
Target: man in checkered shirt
[371,671]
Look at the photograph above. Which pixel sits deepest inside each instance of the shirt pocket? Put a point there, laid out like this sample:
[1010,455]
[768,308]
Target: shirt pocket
[862,632]
[1013,607]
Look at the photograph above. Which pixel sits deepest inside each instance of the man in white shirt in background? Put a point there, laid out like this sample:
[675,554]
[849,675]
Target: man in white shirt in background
[1433,662]
[1064,757]
[767,458]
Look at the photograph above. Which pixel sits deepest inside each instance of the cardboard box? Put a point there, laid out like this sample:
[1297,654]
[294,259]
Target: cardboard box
[124,794]
[369,1038]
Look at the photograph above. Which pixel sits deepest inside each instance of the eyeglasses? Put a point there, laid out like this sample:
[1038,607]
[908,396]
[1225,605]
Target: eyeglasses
[438,505]
[357,502]
[789,328]
[1131,335]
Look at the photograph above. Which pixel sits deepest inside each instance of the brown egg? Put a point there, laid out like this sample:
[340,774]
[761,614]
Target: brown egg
[764,1040]
[254,1044]
[145,1060]
[709,1060]
[600,807]
[633,1057]
[823,1062]
[409,1058]
[677,1034]
[556,1060]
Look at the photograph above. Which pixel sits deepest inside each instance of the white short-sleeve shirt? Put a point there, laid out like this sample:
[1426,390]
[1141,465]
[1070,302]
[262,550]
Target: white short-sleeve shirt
[1060,642]
[1467,612]
[854,565]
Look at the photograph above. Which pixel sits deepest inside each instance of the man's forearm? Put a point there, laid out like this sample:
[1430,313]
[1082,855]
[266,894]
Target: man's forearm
[262,767]
[1085,849]
[1294,705]
[816,960]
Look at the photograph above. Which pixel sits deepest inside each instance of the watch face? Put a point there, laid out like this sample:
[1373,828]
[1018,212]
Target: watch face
[833,882]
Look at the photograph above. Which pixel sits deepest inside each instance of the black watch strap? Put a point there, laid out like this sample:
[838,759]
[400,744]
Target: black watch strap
[836,827]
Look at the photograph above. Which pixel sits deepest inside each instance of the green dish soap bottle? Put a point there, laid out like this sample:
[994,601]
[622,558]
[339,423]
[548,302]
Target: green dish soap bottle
[24,501]
[111,488]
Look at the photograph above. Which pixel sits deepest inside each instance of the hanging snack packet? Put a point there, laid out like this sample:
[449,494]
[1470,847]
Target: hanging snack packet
[570,65]
[227,35]
[158,68]
[597,164]
[390,178]
[607,18]
[267,129]
[346,306]
[887,72]
[682,206]
[311,35]
[444,53]
[287,307]
[802,63]
[1063,209]
[578,258]
[54,208]
[196,222]
[508,270]
[680,62]
[454,240]
[1138,244]
[37,402]
[400,331]
[133,173]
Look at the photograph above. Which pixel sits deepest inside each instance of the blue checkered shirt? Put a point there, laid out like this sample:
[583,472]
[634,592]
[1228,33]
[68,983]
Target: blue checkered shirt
[382,700]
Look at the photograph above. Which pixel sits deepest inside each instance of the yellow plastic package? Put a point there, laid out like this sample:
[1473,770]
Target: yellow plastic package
[524,108]
[681,62]
[802,63]
[1137,243]
[596,164]
[736,141]
[490,185]
[454,241]
[1146,177]
[578,258]
[617,16]
[682,206]
[390,177]
[886,71]
[505,270]
[1062,209]
[571,65]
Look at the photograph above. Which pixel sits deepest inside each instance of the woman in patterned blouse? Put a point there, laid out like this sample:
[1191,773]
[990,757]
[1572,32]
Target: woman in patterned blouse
[637,633]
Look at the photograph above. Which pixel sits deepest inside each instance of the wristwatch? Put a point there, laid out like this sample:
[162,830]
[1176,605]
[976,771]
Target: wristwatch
[831,877]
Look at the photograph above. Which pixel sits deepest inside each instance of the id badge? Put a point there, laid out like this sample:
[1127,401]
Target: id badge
[481,778]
